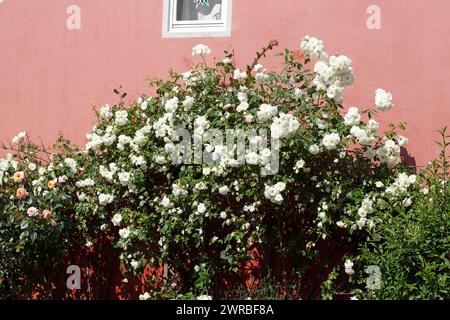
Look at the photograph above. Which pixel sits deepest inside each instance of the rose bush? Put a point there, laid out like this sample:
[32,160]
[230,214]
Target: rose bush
[37,225]
[407,257]
[299,184]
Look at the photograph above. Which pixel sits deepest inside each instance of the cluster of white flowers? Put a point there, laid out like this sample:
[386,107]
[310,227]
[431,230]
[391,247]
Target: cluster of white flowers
[383,100]
[201,208]
[105,112]
[145,296]
[121,118]
[104,199]
[284,126]
[401,184]
[348,266]
[108,174]
[401,140]
[273,193]
[322,213]
[389,153]
[314,149]
[164,125]
[88,182]
[116,219]
[266,112]
[96,140]
[201,50]
[300,164]
[19,137]
[352,117]
[407,202]
[365,209]
[238,74]
[314,47]
[171,105]
[374,279]
[143,102]
[189,78]
[224,190]
[330,141]
[262,77]
[138,161]
[166,203]
[134,264]
[201,123]
[124,232]
[298,93]
[372,126]
[123,141]
[124,178]
[263,157]
[243,99]
[362,135]
[71,164]
[178,190]
[261,74]
[227,60]
[334,76]
[188,102]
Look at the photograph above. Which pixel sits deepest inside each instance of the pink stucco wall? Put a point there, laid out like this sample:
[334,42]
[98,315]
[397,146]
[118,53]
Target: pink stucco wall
[50,77]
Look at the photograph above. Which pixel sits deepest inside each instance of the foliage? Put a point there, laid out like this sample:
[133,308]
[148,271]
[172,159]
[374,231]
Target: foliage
[412,249]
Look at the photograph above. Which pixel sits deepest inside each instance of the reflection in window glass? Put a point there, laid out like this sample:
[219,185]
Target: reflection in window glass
[199,10]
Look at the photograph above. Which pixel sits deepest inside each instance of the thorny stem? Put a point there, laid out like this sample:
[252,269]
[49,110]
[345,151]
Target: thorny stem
[29,154]
[272,44]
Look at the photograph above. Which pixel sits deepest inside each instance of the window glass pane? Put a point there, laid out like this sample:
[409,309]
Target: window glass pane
[199,10]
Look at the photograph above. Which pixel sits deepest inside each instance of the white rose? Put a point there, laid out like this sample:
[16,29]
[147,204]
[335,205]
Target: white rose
[330,141]
[188,102]
[116,219]
[201,50]
[383,100]
[105,113]
[104,199]
[266,112]
[19,137]
[124,233]
[349,267]
[134,264]
[121,118]
[124,178]
[171,105]
[224,190]
[201,208]
[314,149]
[352,117]
[238,74]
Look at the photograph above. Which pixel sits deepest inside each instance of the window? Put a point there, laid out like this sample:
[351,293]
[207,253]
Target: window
[197,18]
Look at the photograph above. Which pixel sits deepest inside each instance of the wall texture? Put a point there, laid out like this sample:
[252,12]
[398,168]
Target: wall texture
[51,77]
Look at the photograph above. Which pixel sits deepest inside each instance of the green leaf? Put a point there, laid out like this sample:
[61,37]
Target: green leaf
[24,224]
[23,235]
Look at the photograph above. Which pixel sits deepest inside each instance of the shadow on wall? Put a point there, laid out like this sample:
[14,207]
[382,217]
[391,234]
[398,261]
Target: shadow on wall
[408,159]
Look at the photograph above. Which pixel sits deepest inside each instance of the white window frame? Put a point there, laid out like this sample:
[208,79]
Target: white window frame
[189,29]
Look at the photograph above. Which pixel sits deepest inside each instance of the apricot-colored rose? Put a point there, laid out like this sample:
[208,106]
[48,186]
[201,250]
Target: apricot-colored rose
[21,193]
[18,176]
[51,184]
[47,214]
